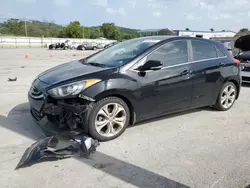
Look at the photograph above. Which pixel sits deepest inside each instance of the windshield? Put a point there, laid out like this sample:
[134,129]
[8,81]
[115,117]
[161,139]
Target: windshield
[121,53]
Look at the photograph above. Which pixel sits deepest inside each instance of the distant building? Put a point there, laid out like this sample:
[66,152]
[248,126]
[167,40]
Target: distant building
[206,34]
[201,34]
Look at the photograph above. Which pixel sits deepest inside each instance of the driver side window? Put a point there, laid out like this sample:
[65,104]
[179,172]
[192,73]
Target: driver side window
[171,53]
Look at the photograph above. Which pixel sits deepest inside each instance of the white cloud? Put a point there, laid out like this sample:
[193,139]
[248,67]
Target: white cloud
[62,2]
[26,1]
[157,14]
[225,16]
[110,10]
[104,4]
[119,11]
[190,17]
[204,5]
[133,3]
[101,3]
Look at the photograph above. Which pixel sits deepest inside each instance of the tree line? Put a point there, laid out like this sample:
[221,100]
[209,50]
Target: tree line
[16,27]
[74,29]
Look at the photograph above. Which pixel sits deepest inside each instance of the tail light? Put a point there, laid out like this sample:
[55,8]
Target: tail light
[236,61]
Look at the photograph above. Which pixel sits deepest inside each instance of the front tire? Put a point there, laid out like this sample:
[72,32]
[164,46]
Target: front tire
[227,97]
[108,119]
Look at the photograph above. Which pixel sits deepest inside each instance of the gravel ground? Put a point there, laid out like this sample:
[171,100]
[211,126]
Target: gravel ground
[200,148]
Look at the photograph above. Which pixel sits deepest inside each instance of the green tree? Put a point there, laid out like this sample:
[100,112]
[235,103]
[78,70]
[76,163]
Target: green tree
[128,36]
[110,31]
[14,26]
[94,32]
[242,32]
[73,30]
[86,32]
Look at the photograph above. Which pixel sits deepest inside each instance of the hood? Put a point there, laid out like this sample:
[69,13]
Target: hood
[243,43]
[68,71]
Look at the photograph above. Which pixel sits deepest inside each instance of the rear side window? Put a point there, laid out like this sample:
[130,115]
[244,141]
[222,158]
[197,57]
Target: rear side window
[203,50]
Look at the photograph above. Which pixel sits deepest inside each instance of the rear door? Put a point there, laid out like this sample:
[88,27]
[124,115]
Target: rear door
[207,64]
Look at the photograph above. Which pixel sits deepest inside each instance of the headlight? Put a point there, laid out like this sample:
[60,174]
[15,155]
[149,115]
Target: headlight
[72,88]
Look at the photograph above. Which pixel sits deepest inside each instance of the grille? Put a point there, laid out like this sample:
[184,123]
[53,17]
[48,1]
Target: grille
[35,93]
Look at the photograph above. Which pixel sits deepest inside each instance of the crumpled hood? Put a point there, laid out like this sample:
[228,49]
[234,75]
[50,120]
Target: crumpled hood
[68,71]
[243,43]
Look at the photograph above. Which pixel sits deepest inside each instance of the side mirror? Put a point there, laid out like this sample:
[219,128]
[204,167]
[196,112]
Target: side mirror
[150,65]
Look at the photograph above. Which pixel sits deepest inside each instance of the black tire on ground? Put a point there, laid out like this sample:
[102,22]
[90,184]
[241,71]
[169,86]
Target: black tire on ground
[93,113]
[94,48]
[218,104]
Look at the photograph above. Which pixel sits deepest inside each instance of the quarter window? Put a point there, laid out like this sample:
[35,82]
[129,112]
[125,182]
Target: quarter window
[203,50]
[172,53]
[220,53]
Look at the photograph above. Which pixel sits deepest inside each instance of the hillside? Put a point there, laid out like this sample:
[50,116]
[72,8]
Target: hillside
[15,27]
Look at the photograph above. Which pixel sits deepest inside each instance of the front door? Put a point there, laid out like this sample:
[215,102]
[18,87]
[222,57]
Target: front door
[168,89]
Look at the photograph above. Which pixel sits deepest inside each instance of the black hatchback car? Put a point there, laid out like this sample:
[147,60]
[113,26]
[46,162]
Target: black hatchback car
[135,80]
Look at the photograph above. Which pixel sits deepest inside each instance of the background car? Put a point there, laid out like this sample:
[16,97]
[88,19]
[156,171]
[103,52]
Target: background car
[54,46]
[111,44]
[135,80]
[89,46]
[243,45]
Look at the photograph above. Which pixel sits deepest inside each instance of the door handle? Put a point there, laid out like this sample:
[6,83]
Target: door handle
[221,64]
[186,72]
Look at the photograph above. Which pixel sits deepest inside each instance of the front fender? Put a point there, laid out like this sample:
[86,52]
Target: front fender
[126,88]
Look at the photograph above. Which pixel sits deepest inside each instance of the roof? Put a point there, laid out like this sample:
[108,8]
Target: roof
[156,37]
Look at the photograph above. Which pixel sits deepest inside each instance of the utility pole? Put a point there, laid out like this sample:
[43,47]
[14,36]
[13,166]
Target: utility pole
[25,25]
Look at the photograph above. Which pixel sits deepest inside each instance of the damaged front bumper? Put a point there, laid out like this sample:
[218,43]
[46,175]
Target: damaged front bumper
[55,116]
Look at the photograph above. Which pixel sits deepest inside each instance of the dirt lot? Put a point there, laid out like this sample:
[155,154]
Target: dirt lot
[200,148]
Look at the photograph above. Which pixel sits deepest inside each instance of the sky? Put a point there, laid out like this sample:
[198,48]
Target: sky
[137,14]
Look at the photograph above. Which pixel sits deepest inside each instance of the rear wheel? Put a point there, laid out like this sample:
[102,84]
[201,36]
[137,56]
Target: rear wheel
[108,118]
[94,48]
[227,97]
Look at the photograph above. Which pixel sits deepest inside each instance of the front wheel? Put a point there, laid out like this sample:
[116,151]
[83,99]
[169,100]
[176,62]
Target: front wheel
[227,97]
[108,118]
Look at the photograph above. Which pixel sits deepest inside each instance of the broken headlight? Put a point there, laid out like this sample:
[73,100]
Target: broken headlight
[71,89]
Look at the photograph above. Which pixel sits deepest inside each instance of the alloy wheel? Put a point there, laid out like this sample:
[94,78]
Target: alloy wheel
[228,96]
[110,119]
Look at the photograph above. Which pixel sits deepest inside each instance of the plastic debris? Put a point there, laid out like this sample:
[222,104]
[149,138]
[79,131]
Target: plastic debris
[58,147]
[12,79]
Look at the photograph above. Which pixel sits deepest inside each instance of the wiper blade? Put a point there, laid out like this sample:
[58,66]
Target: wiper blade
[96,64]
[83,61]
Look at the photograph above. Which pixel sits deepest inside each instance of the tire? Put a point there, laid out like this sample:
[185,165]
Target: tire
[94,48]
[219,104]
[83,48]
[94,115]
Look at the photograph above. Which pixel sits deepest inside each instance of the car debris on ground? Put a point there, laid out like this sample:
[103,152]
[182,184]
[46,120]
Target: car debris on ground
[58,147]
[12,79]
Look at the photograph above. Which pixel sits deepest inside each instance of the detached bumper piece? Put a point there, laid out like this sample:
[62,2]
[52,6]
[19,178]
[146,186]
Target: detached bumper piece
[58,147]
